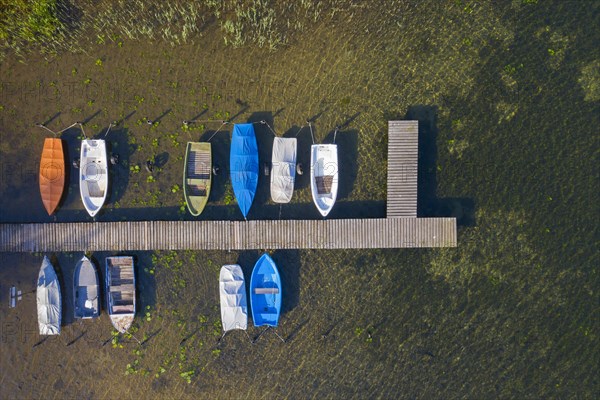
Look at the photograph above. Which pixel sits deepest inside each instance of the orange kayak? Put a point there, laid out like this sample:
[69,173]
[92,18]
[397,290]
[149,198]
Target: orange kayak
[52,173]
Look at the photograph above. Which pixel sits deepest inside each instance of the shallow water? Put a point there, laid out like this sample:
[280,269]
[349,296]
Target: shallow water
[508,145]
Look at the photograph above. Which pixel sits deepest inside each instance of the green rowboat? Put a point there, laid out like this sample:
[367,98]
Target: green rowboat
[197,176]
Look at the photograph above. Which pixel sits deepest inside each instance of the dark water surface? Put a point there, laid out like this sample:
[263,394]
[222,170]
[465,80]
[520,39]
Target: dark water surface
[506,94]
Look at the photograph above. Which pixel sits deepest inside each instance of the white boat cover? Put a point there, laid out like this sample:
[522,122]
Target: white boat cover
[48,300]
[283,173]
[234,309]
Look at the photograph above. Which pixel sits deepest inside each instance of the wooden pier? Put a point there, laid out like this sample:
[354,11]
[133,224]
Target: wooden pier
[230,235]
[403,147]
[401,228]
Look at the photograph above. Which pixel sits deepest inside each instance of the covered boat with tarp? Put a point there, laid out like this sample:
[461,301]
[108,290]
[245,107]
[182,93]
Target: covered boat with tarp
[52,173]
[283,171]
[265,292]
[232,290]
[197,176]
[86,290]
[49,306]
[243,165]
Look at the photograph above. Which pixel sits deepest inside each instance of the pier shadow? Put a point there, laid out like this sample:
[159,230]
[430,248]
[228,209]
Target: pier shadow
[428,204]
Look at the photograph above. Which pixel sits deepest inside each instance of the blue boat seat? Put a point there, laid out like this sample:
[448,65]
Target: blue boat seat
[270,290]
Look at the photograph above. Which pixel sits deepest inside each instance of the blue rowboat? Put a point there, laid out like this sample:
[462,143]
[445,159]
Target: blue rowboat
[265,292]
[243,165]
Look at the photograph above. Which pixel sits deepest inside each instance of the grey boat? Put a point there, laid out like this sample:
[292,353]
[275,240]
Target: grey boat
[86,290]
[120,291]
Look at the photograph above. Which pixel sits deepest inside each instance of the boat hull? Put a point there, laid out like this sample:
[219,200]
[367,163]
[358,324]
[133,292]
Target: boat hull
[52,174]
[49,300]
[232,290]
[243,165]
[197,176]
[86,290]
[324,178]
[265,292]
[120,291]
[93,175]
[283,171]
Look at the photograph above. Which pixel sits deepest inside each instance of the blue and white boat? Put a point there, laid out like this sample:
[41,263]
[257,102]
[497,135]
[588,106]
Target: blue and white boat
[265,292]
[243,165]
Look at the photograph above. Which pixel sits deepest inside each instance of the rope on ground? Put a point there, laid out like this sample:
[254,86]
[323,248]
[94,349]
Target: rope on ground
[82,130]
[217,131]
[108,129]
[263,122]
[56,133]
[299,130]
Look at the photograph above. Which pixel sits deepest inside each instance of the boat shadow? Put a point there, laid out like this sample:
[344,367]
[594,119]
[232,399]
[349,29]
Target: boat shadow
[347,147]
[220,145]
[302,154]
[72,138]
[118,145]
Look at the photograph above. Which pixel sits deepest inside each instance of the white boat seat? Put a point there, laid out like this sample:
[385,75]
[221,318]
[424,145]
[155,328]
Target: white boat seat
[269,290]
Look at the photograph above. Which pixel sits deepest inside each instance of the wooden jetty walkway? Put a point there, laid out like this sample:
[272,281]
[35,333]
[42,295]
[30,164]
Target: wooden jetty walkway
[401,228]
[230,235]
[403,148]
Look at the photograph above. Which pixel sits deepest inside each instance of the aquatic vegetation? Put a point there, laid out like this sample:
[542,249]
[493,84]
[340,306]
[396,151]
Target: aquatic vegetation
[26,23]
[457,147]
[187,375]
[590,81]
[496,232]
